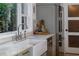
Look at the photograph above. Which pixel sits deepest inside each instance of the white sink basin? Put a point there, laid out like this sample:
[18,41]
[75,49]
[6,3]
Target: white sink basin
[39,47]
[12,48]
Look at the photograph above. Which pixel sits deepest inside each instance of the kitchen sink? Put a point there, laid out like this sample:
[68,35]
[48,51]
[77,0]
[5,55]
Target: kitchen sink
[37,47]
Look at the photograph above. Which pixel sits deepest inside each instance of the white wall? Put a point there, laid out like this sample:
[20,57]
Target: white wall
[47,12]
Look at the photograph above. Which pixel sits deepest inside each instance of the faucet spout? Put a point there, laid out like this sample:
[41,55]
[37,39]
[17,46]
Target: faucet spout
[19,33]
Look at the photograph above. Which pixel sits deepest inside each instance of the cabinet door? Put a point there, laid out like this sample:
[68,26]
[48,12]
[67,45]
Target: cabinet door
[49,47]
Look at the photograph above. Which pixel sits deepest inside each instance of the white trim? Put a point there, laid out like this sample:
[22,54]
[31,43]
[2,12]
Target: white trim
[73,33]
[65,25]
[72,3]
[73,18]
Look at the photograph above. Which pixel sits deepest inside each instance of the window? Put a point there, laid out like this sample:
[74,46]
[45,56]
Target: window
[12,15]
[8,17]
[24,10]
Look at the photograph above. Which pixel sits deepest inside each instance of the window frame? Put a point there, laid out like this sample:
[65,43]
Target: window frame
[29,16]
[18,22]
[11,32]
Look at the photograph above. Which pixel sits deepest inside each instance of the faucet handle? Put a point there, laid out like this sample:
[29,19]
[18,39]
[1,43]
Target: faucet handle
[20,36]
[24,34]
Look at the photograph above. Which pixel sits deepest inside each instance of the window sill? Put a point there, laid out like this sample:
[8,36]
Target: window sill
[4,37]
[10,34]
[7,34]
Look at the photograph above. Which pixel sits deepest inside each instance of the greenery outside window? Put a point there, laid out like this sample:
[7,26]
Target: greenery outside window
[8,17]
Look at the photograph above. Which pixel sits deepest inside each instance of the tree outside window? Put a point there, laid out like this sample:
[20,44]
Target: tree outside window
[8,14]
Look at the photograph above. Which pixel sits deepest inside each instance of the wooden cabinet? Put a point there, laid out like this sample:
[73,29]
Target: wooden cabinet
[51,46]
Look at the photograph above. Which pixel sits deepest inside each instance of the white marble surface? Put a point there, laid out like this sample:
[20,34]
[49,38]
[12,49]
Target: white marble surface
[13,48]
[45,37]
[40,36]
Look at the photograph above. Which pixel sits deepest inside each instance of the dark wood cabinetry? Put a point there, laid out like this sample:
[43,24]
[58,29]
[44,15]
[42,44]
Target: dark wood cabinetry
[49,47]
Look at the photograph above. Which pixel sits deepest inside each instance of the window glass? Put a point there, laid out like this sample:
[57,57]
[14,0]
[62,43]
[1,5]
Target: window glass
[8,14]
[24,10]
[22,22]
[73,11]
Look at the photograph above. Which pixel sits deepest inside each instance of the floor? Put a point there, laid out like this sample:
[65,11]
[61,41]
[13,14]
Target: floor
[67,54]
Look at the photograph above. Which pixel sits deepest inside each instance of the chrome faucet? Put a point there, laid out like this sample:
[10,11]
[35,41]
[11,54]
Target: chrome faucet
[19,35]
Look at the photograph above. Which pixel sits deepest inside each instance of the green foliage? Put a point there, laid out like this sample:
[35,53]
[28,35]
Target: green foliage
[5,22]
[3,10]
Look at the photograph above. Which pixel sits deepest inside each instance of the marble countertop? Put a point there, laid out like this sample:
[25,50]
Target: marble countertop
[40,36]
[13,48]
